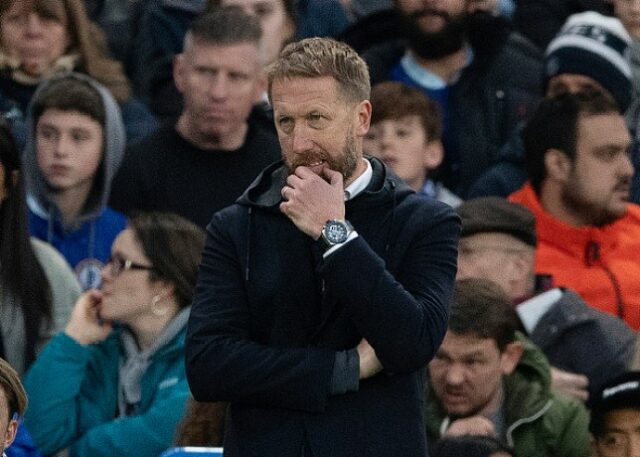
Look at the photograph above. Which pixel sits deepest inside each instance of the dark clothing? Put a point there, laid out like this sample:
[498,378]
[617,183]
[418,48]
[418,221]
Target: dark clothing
[541,20]
[165,172]
[159,37]
[488,100]
[578,338]
[270,315]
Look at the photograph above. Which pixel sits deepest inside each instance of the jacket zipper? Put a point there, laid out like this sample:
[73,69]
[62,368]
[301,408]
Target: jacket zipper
[592,258]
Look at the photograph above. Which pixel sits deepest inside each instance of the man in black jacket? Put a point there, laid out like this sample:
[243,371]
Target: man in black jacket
[323,291]
[485,78]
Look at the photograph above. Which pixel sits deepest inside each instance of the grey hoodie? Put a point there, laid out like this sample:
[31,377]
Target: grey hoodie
[38,195]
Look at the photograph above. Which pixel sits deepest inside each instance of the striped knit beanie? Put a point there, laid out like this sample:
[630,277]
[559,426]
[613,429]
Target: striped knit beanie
[596,46]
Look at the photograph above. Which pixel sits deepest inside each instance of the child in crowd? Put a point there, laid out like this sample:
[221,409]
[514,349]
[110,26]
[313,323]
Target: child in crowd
[75,143]
[405,133]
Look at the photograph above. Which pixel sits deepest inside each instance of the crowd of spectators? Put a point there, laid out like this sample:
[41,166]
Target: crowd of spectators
[126,124]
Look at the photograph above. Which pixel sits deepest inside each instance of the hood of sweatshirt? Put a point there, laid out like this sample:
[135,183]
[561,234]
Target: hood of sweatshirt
[39,196]
[264,192]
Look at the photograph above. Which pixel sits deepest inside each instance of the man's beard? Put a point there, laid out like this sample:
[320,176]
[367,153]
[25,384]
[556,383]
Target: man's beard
[594,214]
[449,39]
[345,163]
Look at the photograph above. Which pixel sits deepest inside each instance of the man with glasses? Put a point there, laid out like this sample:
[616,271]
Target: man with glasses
[585,346]
[615,418]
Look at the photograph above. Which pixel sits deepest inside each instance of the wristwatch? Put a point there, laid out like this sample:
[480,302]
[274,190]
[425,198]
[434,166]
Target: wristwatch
[336,231]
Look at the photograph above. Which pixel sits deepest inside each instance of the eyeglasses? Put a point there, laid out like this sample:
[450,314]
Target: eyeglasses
[118,265]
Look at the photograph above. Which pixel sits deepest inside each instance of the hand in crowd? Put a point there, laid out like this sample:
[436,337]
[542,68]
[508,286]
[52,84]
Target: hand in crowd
[85,325]
[474,425]
[310,201]
[369,363]
[571,384]
[490,6]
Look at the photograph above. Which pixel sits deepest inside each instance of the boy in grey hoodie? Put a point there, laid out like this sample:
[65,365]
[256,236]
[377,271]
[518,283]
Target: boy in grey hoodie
[75,143]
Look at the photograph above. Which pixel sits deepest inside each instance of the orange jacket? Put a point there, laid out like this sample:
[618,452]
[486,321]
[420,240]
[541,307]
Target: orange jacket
[601,264]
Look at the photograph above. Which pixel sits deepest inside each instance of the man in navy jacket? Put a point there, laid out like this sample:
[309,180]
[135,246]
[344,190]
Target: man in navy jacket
[323,292]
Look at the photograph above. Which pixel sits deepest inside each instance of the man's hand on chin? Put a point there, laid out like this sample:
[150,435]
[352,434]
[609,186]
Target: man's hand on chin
[310,200]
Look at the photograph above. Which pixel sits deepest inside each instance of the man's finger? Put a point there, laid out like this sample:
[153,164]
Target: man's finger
[334,177]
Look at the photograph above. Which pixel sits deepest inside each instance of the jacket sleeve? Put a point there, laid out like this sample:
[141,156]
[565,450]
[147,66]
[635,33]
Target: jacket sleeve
[60,415]
[219,341]
[574,439]
[404,318]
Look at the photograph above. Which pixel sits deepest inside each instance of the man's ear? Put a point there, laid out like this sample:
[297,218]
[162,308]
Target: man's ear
[510,357]
[179,72]
[12,430]
[558,165]
[363,112]
[261,86]
[433,154]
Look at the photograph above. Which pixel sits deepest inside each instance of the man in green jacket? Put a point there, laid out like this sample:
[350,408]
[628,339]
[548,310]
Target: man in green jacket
[487,379]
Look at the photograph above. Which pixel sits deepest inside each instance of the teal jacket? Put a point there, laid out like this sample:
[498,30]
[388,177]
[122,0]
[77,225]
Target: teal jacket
[73,399]
[539,423]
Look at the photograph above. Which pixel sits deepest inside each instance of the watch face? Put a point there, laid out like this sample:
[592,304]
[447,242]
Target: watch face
[336,232]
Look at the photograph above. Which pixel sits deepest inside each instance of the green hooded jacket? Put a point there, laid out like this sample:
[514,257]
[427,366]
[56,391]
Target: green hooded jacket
[538,422]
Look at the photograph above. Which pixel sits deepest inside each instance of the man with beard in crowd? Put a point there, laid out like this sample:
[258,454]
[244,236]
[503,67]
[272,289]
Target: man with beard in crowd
[485,78]
[579,170]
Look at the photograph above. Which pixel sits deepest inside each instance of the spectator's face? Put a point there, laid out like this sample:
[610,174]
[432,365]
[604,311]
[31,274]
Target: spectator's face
[621,437]
[403,145]
[220,84]
[69,149]
[628,11]
[35,41]
[317,127]
[8,426]
[466,374]
[432,15]
[596,185]
[127,295]
[497,257]
[277,27]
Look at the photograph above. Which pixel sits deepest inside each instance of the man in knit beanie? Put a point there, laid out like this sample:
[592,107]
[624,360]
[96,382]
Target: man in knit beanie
[591,51]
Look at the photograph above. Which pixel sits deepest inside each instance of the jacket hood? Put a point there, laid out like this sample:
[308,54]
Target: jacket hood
[39,196]
[527,390]
[264,192]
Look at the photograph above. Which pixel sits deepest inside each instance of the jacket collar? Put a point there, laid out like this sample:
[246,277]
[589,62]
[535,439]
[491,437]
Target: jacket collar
[573,240]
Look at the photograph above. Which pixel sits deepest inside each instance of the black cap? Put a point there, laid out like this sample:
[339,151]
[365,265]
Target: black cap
[620,393]
[495,214]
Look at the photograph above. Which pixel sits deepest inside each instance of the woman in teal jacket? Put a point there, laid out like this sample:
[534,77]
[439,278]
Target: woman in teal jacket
[113,383]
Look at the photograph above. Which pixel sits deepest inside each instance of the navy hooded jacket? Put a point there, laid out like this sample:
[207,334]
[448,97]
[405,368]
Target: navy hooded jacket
[270,315]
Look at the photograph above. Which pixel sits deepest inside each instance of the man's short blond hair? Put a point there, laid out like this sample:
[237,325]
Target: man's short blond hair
[319,57]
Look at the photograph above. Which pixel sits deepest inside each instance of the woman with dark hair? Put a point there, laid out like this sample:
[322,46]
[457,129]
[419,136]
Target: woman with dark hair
[37,287]
[122,351]
[42,38]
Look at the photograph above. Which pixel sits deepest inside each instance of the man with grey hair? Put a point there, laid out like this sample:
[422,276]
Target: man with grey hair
[323,291]
[203,162]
